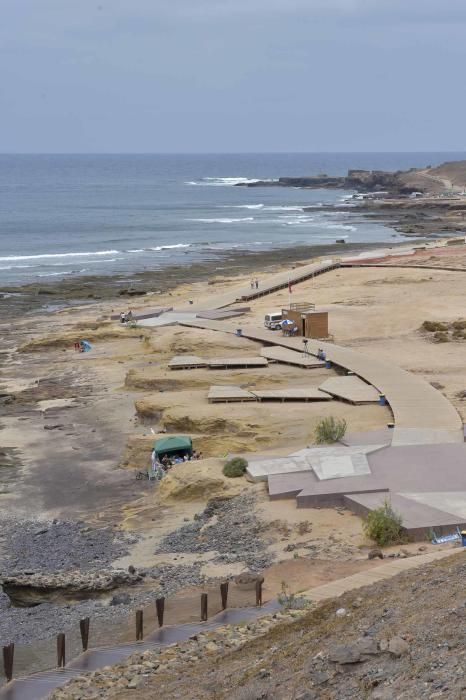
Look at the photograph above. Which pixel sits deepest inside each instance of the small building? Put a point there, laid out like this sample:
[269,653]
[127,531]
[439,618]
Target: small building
[309,322]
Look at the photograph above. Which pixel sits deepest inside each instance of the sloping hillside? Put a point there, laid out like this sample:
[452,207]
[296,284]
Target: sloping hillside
[402,638]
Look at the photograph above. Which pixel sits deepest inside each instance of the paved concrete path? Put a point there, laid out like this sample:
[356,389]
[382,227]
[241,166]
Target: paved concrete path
[378,573]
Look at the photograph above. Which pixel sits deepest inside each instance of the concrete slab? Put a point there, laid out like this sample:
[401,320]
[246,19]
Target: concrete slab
[351,389]
[418,518]
[168,319]
[261,469]
[453,502]
[340,467]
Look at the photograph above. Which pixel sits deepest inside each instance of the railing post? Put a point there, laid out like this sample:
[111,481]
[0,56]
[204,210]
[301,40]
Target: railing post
[203,607]
[84,629]
[8,655]
[61,650]
[224,594]
[259,592]
[160,608]
[139,625]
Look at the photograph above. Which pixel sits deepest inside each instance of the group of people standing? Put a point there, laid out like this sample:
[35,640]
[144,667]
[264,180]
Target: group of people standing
[160,467]
[126,316]
[255,283]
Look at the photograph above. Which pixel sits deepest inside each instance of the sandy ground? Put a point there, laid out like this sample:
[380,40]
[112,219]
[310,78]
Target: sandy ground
[103,408]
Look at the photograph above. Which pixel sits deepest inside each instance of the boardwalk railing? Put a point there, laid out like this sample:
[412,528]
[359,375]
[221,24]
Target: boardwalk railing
[72,650]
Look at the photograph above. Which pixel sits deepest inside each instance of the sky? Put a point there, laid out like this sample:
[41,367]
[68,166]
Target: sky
[147,76]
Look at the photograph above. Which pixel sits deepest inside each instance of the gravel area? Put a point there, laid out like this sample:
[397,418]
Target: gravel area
[49,547]
[228,526]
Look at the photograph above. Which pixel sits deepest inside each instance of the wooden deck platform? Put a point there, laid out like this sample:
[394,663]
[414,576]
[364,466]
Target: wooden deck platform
[227,394]
[230,362]
[291,357]
[292,394]
[351,389]
[186,362]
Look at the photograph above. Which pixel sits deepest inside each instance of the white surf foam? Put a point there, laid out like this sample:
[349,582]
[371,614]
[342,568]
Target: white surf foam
[58,255]
[222,221]
[169,247]
[226,181]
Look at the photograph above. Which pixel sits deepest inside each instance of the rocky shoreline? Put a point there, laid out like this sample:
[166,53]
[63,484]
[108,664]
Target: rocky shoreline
[15,301]
[54,574]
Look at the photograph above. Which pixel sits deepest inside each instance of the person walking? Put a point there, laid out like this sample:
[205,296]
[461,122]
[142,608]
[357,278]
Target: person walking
[252,284]
[257,283]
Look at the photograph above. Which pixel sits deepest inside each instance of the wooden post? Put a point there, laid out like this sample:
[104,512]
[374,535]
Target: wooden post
[139,625]
[224,594]
[203,607]
[160,607]
[8,655]
[61,650]
[84,629]
[259,592]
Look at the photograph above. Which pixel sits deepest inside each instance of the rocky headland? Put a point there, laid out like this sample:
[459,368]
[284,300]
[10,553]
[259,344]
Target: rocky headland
[416,202]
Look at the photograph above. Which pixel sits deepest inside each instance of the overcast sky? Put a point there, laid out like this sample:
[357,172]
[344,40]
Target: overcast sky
[232,75]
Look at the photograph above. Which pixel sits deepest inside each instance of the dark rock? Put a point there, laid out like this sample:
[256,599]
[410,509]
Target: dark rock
[375,554]
[121,599]
[345,654]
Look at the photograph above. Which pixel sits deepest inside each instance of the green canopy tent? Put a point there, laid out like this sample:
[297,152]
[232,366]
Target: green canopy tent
[178,445]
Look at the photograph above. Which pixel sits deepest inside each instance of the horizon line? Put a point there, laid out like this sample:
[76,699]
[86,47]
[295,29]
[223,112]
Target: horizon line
[217,153]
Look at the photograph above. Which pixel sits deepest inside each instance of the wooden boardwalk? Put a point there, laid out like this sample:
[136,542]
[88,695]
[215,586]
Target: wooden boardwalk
[228,394]
[378,573]
[351,389]
[422,415]
[286,356]
[292,394]
[186,362]
[234,362]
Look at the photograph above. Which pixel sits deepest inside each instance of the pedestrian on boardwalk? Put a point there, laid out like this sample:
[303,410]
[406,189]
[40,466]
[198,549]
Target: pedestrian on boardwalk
[257,283]
[252,284]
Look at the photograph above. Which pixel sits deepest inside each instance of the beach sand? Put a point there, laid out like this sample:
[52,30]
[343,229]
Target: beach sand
[82,424]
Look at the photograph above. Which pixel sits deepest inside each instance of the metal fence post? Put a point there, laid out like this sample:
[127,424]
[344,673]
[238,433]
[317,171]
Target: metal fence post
[259,592]
[224,594]
[203,607]
[8,656]
[160,608]
[61,650]
[139,625]
[84,629]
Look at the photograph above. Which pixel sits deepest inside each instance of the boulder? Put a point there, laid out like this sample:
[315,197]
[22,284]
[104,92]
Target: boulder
[30,589]
[398,647]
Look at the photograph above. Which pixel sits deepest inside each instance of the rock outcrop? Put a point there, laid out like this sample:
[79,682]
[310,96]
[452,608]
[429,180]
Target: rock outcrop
[29,589]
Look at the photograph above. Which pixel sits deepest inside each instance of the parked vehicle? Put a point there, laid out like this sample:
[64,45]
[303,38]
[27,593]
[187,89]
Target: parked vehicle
[273,320]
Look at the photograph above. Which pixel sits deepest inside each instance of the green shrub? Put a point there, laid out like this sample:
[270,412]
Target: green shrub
[384,525]
[330,430]
[291,601]
[235,467]
[433,326]
[459,325]
[441,337]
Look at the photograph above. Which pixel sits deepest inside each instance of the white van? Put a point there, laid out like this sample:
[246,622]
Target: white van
[273,320]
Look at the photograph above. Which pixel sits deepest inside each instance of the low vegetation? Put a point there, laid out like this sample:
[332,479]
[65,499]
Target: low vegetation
[291,601]
[235,467]
[330,430]
[443,331]
[385,526]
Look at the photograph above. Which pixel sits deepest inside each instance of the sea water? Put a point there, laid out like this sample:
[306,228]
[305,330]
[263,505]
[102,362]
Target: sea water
[64,215]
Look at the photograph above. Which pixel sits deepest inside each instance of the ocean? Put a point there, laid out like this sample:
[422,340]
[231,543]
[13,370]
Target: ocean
[64,215]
